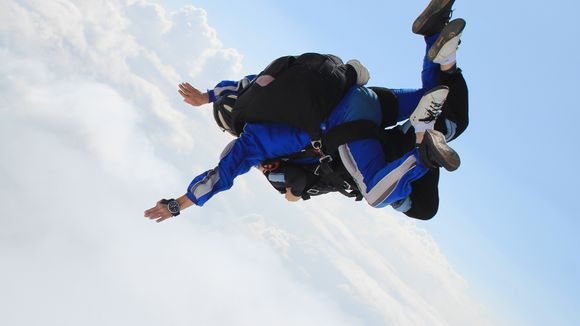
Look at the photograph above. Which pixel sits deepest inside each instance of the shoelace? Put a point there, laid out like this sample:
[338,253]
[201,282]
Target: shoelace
[433,112]
[446,19]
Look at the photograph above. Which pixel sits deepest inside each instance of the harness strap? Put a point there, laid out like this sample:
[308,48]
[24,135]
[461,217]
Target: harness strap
[326,150]
[350,131]
[341,185]
[339,135]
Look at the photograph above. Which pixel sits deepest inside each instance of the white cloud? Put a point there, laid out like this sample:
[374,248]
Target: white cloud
[93,132]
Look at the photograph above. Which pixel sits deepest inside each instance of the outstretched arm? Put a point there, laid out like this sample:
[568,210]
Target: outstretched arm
[195,97]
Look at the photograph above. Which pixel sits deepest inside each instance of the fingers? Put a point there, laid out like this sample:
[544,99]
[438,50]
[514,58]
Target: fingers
[159,220]
[152,211]
[192,95]
[190,88]
[159,213]
[187,89]
[184,92]
[186,97]
[160,217]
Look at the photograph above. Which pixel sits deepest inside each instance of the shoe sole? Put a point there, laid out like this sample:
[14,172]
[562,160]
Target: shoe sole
[445,155]
[451,30]
[434,7]
[436,88]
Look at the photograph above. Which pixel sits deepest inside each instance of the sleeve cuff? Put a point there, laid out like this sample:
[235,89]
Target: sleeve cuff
[211,95]
[191,197]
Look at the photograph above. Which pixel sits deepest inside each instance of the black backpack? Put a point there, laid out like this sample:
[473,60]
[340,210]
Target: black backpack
[298,90]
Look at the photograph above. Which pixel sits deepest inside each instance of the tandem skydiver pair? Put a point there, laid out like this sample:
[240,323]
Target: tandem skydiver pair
[312,127]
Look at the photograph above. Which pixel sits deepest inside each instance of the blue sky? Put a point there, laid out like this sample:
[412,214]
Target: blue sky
[508,218]
[93,132]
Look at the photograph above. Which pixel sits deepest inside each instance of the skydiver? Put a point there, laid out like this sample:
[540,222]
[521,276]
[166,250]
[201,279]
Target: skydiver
[298,181]
[384,183]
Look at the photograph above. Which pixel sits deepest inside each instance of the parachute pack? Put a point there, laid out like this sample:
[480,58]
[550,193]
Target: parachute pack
[298,90]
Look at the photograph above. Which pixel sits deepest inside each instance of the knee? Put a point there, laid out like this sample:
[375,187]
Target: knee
[423,212]
[389,105]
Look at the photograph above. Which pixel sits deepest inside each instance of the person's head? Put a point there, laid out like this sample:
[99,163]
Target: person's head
[223,109]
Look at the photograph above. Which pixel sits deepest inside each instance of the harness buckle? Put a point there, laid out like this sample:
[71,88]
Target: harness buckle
[317,170]
[313,192]
[316,144]
[346,186]
[325,159]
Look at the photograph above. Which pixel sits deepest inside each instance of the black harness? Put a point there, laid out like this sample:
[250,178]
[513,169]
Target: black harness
[329,175]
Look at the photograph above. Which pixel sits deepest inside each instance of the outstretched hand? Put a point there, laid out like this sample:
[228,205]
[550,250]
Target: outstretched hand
[192,95]
[159,213]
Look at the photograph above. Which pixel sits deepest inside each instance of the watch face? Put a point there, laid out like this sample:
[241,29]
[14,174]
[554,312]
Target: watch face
[173,206]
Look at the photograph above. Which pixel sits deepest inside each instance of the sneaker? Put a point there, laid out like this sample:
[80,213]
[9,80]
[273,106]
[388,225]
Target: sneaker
[447,43]
[434,152]
[429,108]
[362,73]
[433,18]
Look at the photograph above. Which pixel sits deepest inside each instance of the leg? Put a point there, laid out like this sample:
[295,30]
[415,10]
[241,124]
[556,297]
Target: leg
[381,183]
[443,51]
[389,106]
[441,38]
[423,201]
[408,99]
[424,198]
[455,118]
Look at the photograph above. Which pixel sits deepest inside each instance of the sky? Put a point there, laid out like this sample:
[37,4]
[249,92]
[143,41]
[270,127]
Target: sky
[93,132]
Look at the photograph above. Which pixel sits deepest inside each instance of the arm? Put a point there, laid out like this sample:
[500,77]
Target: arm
[256,144]
[206,184]
[233,163]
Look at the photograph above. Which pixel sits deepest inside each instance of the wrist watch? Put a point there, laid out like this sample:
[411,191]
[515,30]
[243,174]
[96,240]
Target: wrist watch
[172,206]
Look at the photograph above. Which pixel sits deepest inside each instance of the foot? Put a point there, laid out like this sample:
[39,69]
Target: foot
[444,49]
[433,18]
[434,152]
[429,108]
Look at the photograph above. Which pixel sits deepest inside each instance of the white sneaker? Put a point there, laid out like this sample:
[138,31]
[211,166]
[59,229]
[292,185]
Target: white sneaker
[429,108]
[444,49]
[362,73]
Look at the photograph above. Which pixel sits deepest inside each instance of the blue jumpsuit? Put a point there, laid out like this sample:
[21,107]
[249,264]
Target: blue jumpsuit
[381,183]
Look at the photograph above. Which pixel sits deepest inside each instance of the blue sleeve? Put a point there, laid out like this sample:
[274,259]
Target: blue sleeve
[229,86]
[257,143]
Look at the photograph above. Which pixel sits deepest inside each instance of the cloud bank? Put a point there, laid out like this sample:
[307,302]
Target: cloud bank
[92,132]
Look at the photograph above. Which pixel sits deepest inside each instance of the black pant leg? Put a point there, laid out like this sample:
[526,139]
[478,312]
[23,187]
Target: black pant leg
[389,105]
[456,107]
[424,191]
[425,196]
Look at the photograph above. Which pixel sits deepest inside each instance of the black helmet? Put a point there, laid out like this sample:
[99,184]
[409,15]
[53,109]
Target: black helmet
[223,108]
